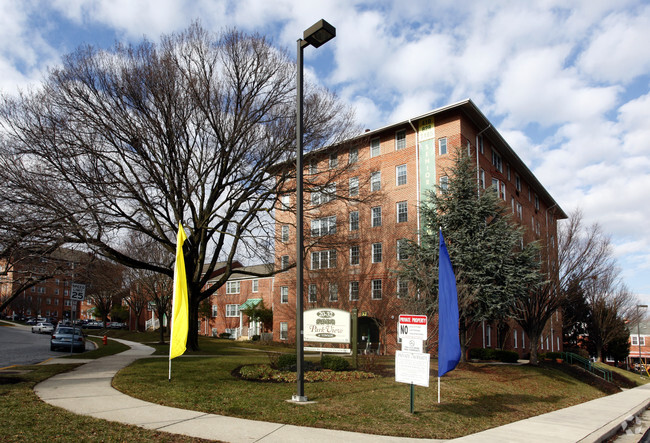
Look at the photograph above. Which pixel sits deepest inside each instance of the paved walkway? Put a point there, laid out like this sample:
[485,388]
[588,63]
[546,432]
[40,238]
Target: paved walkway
[87,390]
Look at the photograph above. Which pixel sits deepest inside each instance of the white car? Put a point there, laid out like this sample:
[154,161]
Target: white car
[43,328]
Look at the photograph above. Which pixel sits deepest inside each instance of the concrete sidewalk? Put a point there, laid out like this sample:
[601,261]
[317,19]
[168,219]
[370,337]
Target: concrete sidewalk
[87,390]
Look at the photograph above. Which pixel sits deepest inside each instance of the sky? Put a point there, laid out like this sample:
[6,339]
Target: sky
[567,83]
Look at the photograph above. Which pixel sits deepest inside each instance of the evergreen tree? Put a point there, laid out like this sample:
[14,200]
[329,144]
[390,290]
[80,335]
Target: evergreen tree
[493,268]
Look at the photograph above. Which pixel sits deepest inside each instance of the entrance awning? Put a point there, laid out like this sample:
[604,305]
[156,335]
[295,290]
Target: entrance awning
[250,303]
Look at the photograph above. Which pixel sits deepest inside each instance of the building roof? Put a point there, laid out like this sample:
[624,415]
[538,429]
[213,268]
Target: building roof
[643,329]
[250,303]
[249,272]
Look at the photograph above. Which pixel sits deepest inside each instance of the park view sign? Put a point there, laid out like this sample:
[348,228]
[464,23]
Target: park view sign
[326,325]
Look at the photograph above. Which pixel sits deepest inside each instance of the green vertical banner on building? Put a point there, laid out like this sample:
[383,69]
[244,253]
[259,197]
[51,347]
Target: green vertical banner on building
[427,138]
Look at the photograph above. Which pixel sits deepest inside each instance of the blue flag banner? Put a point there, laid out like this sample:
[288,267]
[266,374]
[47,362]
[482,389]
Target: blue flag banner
[448,341]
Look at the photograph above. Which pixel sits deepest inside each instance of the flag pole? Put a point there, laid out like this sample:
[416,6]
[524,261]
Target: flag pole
[438,390]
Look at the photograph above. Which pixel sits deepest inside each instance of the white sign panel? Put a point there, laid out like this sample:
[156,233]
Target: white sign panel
[326,325]
[328,350]
[413,345]
[77,291]
[412,327]
[412,367]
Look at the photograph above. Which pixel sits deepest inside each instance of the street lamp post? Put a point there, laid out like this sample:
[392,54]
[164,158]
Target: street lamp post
[638,329]
[317,35]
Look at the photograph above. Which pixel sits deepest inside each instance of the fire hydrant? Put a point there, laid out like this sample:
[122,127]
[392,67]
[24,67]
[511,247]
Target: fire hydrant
[105,340]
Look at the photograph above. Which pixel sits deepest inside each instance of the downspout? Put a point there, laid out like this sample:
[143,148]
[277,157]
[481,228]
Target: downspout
[417,177]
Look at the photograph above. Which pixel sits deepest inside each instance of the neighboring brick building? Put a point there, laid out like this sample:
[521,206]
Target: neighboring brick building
[353,247]
[640,338]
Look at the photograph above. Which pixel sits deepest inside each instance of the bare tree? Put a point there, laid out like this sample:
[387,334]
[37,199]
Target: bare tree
[104,286]
[141,137]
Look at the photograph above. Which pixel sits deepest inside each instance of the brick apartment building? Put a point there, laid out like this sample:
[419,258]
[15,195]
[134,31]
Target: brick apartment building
[361,201]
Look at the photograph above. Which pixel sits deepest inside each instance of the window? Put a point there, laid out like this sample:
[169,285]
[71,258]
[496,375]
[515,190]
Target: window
[323,259]
[503,191]
[496,161]
[313,167]
[375,148]
[56,291]
[508,172]
[284,263]
[312,297]
[402,252]
[444,183]
[402,212]
[401,175]
[488,336]
[284,294]
[41,290]
[376,253]
[285,233]
[402,288]
[375,181]
[480,144]
[353,156]
[256,285]
[65,292]
[482,179]
[353,186]
[520,211]
[523,340]
[376,289]
[333,161]
[284,330]
[495,185]
[442,145]
[354,290]
[354,255]
[232,310]
[56,302]
[232,287]
[354,220]
[323,226]
[334,292]
[285,201]
[326,195]
[400,140]
[515,337]
[536,202]
[517,183]
[376,216]
[214,310]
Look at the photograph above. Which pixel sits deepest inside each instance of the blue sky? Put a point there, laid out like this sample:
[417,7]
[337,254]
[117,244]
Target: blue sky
[567,83]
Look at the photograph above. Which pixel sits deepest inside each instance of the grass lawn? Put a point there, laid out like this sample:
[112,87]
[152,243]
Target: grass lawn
[474,397]
[25,418]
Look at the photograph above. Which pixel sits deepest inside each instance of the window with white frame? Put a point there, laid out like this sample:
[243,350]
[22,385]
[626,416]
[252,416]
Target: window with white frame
[334,292]
[400,140]
[376,289]
[353,155]
[496,161]
[482,178]
[375,181]
[255,285]
[536,202]
[402,251]
[214,310]
[232,310]
[442,145]
[285,201]
[312,293]
[503,191]
[333,161]
[285,233]
[376,216]
[517,182]
[400,172]
[444,183]
[65,302]
[488,336]
[284,294]
[323,226]
[515,337]
[233,287]
[376,252]
[523,340]
[402,212]
[313,167]
[636,339]
[284,330]
[284,262]
[354,220]
[402,288]
[353,186]
[375,147]
[323,259]
[520,211]
[326,195]
[354,255]
[354,290]
[480,144]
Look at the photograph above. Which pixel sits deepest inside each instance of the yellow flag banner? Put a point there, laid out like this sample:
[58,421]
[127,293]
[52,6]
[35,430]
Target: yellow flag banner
[180,310]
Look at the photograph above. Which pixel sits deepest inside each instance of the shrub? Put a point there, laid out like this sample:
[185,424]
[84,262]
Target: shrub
[483,354]
[224,335]
[286,361]
[255,337]
[507,356]
[553,355]
[334,362]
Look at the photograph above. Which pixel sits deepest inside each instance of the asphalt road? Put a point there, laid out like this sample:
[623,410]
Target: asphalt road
[18,346]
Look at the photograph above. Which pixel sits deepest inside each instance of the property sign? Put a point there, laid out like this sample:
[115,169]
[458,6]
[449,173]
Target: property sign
[412,327]
[77,292]
[326,325]
[413,345]
[412,367]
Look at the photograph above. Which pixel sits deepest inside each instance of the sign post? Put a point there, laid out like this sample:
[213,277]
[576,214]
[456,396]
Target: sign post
[77,293]
[412,363]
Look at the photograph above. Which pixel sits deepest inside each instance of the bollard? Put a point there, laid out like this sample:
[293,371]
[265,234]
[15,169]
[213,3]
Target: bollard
[105,340]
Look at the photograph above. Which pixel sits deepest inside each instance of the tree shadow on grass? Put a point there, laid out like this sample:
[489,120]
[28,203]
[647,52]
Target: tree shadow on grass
[486,406]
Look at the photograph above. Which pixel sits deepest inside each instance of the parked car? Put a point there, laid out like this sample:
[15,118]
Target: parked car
[63,337]
[93,325]
[31,321]
[116,325]
[43,328]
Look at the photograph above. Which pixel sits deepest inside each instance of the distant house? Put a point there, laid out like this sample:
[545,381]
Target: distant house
[639,341]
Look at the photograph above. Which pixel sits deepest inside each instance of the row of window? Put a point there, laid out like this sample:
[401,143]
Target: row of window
[327,259]
[353,291]
[42,290]
[234,287]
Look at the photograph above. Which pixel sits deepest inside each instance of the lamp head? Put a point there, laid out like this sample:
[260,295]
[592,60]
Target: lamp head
[319,33]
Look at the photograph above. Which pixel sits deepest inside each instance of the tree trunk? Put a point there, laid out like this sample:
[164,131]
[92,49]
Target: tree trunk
[193,326]
[160,315]
[463,343]
[534,341]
